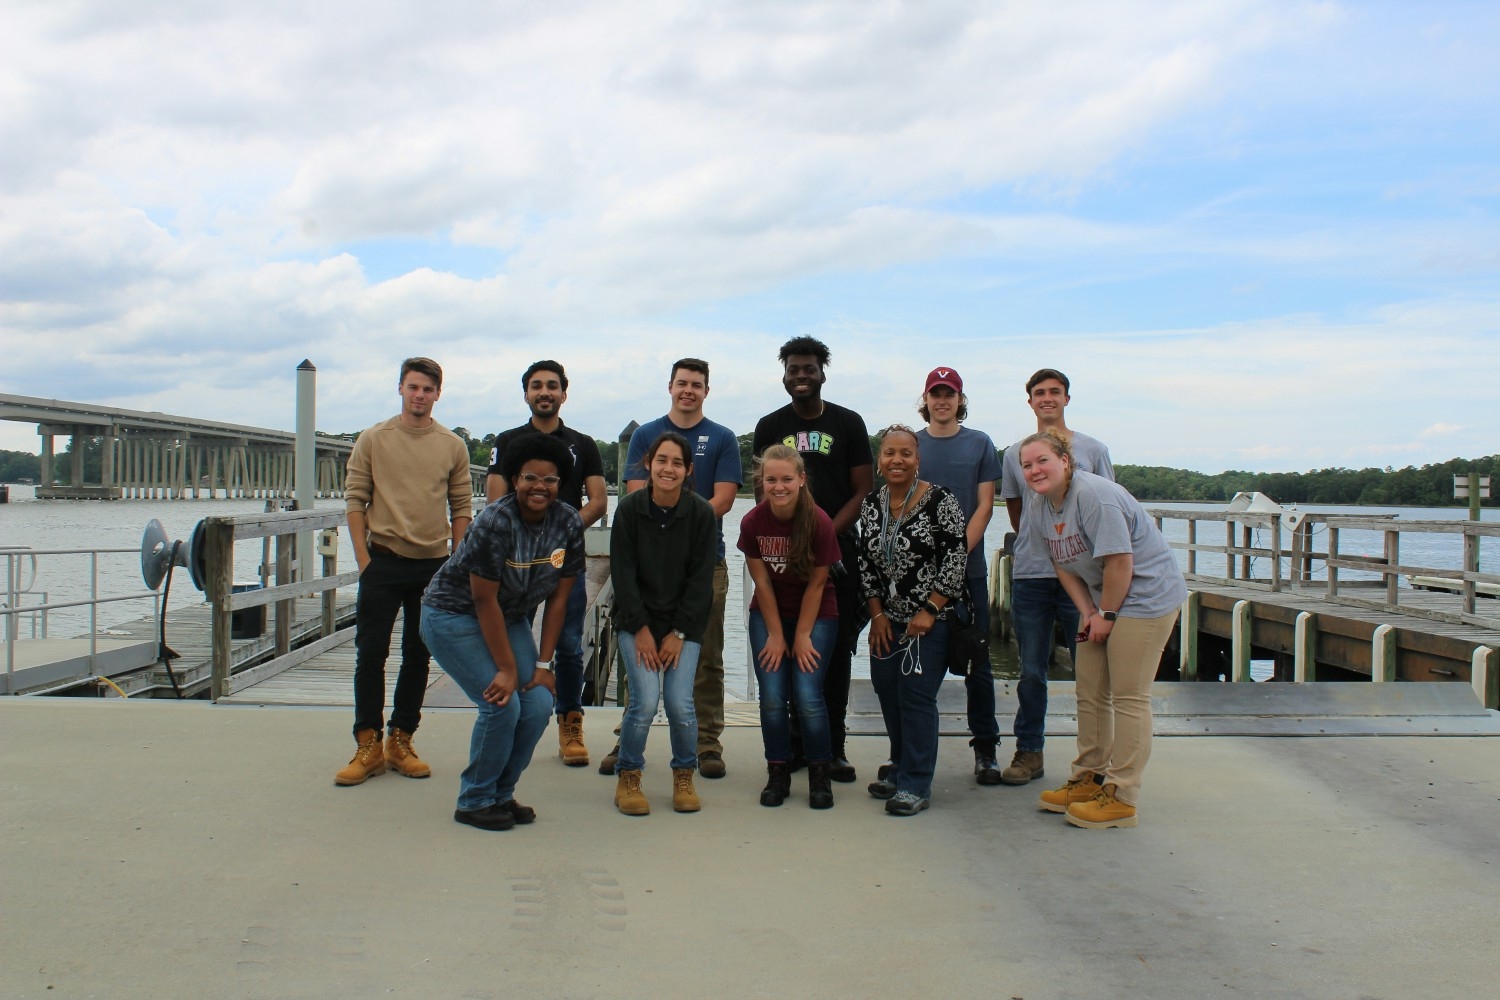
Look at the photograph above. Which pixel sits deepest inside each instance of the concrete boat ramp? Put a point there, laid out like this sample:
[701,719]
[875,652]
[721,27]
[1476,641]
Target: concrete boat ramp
[160,849]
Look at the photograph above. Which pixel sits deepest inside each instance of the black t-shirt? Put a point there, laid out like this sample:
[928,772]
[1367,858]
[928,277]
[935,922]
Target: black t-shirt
[586,460]
[830,444]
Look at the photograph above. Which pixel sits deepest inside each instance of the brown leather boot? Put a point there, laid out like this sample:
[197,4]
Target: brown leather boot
[629,798]
[684,795]
[570,740]
[368,760]
[400,755]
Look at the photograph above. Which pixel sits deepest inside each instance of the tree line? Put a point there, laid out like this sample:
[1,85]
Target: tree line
[1412,486]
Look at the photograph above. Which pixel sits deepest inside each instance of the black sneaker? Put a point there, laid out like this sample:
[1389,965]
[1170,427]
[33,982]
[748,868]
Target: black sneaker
[906,804]
[881,789]
[491,817]
[884,770]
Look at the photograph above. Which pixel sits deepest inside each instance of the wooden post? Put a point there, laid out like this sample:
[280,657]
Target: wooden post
[1333,553]
[1471,565]
[1187,646]
[1392,560]
[285,610]
[1192,559]
[1276,553]
[1229,549]
[1239,641]
[218,540]
[329,545]
[1294,563]
[1383,655]
[1246,538]
[1484,675]
[1304,647]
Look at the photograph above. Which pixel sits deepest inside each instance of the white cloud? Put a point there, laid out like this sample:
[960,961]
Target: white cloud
[199,196]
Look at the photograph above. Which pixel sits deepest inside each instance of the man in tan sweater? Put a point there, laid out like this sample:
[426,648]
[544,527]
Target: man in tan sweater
[409,499]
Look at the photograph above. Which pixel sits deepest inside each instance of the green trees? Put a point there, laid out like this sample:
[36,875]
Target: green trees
[1425,486]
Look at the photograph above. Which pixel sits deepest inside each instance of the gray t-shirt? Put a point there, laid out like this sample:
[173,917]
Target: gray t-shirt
[959,463]
[1029,560]
[1101,518]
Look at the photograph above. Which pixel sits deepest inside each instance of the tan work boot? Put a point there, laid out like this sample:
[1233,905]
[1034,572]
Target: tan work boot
[1025,766]
[400,755]
[629,798]
[570,740]
[1102,811]
[368,760]
[684,796]
[1076,790]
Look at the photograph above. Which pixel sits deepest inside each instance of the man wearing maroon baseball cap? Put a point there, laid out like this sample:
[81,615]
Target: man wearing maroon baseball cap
[964,461]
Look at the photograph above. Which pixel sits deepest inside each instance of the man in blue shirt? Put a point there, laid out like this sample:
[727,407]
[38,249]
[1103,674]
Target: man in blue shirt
[716,478]
[963,461]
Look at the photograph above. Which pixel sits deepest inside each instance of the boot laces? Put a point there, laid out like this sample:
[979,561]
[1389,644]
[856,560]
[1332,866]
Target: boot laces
[403,743]
[364,751]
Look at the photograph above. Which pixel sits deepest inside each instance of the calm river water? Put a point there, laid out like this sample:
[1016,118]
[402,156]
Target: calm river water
[65,524]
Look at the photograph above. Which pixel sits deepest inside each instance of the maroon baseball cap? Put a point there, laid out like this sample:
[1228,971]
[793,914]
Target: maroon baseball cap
[944,376]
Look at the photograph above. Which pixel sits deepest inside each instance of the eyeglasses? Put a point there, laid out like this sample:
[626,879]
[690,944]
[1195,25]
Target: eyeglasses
[531,479]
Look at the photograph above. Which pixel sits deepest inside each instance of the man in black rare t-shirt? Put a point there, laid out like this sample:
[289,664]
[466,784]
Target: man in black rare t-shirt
[835,447]
[545,389]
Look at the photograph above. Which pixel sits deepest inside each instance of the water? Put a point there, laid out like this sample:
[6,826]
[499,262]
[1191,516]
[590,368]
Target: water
[50,524]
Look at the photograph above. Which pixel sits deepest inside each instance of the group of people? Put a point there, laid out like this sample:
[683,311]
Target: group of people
[828,553]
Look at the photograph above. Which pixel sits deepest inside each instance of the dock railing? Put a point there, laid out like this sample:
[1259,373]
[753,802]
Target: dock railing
[1295,563]
[220,534]
[18,588]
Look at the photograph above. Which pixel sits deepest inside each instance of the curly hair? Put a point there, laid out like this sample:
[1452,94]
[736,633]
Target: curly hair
[535,448]
[806,345]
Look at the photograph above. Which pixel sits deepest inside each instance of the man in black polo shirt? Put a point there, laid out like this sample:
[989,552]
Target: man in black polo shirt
[836,450]
[545,389]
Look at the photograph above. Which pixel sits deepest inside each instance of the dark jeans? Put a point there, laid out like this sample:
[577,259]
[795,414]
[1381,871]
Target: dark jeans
[979,685]
[390,584]
[787,690]
[568,665]
[1036,605]
[907,680]
[853,616]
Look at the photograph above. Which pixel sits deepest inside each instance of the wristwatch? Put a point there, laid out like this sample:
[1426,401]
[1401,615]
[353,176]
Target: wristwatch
[544,664]
[1109,616]
[679,633]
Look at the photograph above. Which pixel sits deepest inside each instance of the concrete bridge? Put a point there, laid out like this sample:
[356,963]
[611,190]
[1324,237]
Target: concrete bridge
[153,455]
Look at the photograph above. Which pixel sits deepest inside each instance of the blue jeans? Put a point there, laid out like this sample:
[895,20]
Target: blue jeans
[568,665]
[673,688]
[907,680]
[1035,606]
[979,685]
[504,735]
[788,683]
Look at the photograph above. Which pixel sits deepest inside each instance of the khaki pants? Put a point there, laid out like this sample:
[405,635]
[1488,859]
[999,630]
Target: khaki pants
[1114,702]
[708,686]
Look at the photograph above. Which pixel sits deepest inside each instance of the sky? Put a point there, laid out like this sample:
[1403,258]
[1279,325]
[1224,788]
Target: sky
[1256,235]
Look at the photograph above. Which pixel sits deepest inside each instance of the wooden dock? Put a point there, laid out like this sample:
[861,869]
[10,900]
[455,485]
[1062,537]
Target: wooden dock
[128,652]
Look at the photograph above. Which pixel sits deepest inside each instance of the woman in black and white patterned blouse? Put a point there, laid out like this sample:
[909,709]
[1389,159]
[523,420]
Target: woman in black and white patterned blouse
[912,559]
